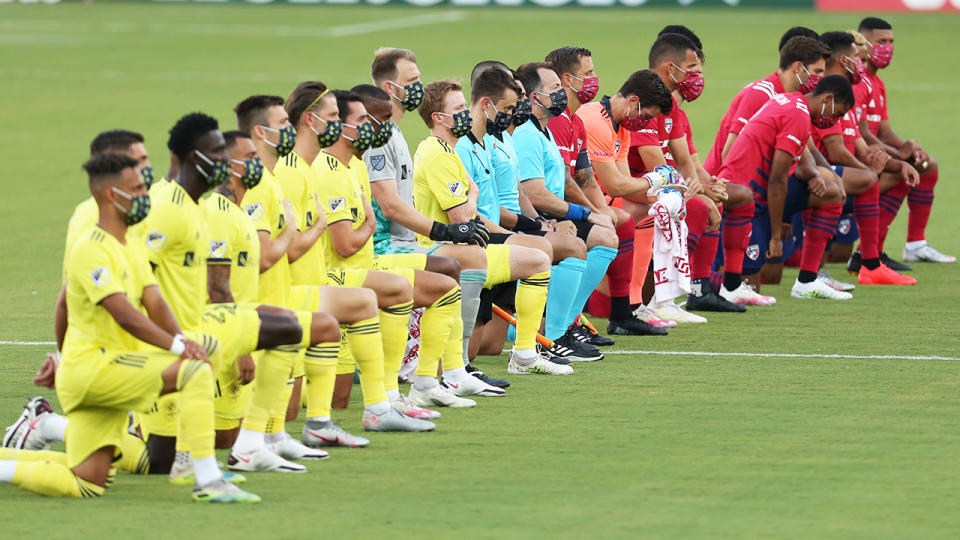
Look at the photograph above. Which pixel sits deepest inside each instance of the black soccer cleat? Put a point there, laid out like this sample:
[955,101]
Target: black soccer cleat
[634,327]
[709,300]
[582,351]
[558,354]
[499,383]
[894,265]
[594,339]
[854,264]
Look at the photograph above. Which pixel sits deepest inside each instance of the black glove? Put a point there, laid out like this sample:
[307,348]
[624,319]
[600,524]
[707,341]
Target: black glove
[470,232]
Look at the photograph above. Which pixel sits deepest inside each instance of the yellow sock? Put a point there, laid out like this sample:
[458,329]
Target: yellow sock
[11,454]
[54,480]
[273,371]
[435,327]
[529,301]
[321,367]
[367,344]
[278,413]
[135,458]
[394,329]
[453,351]
[195,383]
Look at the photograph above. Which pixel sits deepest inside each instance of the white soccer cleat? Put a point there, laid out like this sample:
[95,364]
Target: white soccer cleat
[540,366]
[650,317]
[409,408]
[926,253]
[472,386]
[288,448]
[673,312]
[262,460]
[440,397]
[394,420]
[331,435]
[15,432]
[818,289]
[26,432]
[223,491]
[744,294]
[838,285]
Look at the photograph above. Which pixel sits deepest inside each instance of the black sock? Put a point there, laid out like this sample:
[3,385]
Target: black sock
[731,281]
[806,276]
[619,308]
[871,264]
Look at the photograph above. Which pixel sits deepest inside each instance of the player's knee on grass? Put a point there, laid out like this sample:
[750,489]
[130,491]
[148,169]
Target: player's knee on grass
[525,262]
[840,252]
[566,246]
[96,468]
[771,273]
[324,328]
[430,287]
[276,330]
[447,266]
[494,336]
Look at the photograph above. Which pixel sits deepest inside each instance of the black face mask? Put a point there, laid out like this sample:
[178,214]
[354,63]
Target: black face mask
[558,102]
[500,122]
[523,112]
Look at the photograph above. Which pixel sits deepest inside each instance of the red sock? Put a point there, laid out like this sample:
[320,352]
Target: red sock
[866,210]
[736,236]
[621,269]
[920,202]
[703,257]
[889,206]
[701,246]
[817,234]
[642,252]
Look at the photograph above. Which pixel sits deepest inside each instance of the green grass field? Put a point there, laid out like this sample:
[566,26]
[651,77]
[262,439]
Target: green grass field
[639,445]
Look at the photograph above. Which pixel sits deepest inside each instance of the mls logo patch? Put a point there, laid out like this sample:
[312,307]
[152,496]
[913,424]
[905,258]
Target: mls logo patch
[844,226]
[456,188]
[337,204]
[218,249]
[255,211]
[242,258]
[378,162]
[101,276]
[155,240]
[668,124]
[753,252]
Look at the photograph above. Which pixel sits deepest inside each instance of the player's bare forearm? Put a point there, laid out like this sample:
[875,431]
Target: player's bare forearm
[888,136]
[271,251]
[507,218]
[346,240]
[652,156]
[814,153]
[159,311]
[136,323]
[839,155]
[493,227]
[303,241]
[218,283]
[872,139]
[777,190]
[583,176]
[572,192]
[543,199]
[595,195]
[526,207]
[616,184]
[60,317]
[396,209]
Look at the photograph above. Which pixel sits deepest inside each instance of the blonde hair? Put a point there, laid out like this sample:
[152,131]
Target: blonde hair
[384,66]
[433,95]
[858,38]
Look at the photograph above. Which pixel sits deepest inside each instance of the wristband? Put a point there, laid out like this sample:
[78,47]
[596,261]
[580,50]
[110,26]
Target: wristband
[178,346]
[576,212]
[525,224]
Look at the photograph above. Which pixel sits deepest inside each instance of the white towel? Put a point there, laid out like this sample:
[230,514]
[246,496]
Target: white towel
[671,264]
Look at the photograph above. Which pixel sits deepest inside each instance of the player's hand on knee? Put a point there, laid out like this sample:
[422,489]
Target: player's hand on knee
[246,369]
[47,374]
[194,351]
[910,175]
[817,186]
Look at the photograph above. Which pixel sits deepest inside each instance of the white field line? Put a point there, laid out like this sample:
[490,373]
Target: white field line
[687,353]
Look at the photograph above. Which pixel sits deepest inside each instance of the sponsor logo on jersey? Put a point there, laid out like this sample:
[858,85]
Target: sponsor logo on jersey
[753,252]
[794,139]
[255,211]
[101,276]
[337,203]
[377,163]
[155,240]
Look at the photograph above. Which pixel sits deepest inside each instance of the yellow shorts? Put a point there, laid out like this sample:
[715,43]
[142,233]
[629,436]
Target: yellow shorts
[92,428]
[414,261]
[346,277]
[236,327]
[230,398]
[498,264]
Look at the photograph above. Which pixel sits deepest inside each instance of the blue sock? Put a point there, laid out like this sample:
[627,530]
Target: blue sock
[565,280]
[598,259]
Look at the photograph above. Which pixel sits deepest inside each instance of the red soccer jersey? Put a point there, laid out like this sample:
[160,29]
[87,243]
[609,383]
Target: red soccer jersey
[747,102]
[846,128]
[877,107]
[783,123]
[571,138]
[659,132]
[862,92]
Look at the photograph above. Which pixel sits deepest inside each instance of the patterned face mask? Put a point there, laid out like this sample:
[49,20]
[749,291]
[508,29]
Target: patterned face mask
[252,172]
[287,138]
[383,134]
[412,95]
[147,174]
[635,123]
[461,123]
[499,123]
[331,134]
[588,89]
[219,170]
[825,121]
[691,87]
[365,135]
[139,207]
[523,112]
[882,55]
[558,102]
[856,72]
[807,86]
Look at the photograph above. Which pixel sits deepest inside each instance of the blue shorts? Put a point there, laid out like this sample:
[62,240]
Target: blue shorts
[847,232]
[798,196]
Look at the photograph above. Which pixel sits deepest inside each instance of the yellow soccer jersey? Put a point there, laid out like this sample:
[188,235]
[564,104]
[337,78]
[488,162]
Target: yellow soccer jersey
[84,216]
[233,237]
[177,243]
[100,266]
[264,207]
[298,183]
[340,188]
[439,180]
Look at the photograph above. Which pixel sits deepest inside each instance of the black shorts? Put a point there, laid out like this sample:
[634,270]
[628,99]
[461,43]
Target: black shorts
[498,238]
[502,295]
[583,229]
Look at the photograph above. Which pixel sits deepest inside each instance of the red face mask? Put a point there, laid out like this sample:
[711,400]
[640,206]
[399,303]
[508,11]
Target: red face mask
[826,121]
[882,55]
[856,73]
[588,89]
[812,80]
[691,87]
[635,123]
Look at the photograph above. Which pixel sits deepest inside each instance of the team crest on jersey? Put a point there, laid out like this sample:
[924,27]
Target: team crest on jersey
[337,204]
[378,162]
[242,258]
[456,188]
[218,249]
[101,276]
[255,211]
[844,226]
[156,240]
[753,252]
[668,124]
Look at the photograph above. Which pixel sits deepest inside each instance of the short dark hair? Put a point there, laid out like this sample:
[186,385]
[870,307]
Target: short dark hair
[232,136]
[188,129]
[797,31]
[384,67]
[670,46]
[484,66]
[344,99]
[370,92]
[107,164]
[682,30]
[493,83]
[530,77]
[114,140]
[647,86]
[253,111]
[837,41]
[839,86]
[803,49]
[305,96]
[566,59]
[874,23]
